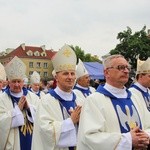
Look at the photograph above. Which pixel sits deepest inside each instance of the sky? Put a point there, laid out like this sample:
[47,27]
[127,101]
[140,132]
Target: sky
[93,25]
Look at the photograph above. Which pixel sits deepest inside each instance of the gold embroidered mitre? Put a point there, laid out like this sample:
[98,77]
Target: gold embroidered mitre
[143,66]
[64,59]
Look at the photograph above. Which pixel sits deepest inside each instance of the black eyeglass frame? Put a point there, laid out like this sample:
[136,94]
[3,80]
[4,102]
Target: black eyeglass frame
[121,67]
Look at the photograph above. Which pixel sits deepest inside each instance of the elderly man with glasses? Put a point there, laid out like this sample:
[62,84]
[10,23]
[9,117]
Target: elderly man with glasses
[111,117]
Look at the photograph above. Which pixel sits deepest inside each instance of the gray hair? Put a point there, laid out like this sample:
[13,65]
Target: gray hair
[107,61]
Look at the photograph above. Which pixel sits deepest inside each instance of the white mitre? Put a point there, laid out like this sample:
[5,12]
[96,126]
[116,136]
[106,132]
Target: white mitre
[25,80]
[15,69]
[143,66]
[65,59]
[53,73]
[35,78]
[2,72]
[81,70]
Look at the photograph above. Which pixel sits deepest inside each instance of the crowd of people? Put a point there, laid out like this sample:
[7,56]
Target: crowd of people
[67,113]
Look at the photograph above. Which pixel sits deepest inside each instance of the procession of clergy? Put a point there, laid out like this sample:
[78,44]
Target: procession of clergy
[74,115]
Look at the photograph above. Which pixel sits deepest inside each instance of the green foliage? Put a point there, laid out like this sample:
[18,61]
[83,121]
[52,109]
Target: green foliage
[132,46]
[79,52]
[84,57]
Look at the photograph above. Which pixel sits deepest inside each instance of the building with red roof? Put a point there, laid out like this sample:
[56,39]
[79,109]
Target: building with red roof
[36,59]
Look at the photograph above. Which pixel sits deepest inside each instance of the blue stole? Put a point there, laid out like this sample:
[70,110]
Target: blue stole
[85,92]
[146,96]
[127,113]
[38,94]
[4,89]
[25,131]
[63,103]
[66,104]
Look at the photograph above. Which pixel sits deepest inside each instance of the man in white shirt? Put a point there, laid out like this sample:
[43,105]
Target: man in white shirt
[17,110]
[110,118]
[58,114]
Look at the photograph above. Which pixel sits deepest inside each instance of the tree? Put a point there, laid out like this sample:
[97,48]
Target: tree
[84,57]
[79,52]
[132,46]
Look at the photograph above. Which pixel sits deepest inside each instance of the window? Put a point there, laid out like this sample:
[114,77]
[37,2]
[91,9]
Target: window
[45,65]
[30,64]
[29,53]
[38,72]
[36,53]
[38,65]
[43,54]
[45,74]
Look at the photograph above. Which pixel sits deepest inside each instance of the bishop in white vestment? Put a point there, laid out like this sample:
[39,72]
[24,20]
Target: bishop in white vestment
[17,110]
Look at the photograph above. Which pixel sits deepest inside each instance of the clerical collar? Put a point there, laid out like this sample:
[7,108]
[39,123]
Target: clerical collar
[119,93]
[17,94]
[64,95]
[34,91]
[4,87]
[85,88]
[141,86]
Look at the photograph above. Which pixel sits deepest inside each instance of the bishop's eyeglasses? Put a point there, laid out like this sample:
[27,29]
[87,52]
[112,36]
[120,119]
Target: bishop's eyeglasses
[121,67]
